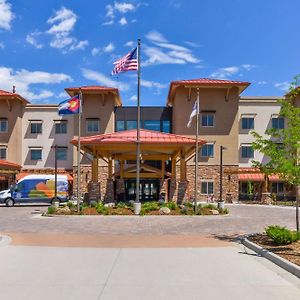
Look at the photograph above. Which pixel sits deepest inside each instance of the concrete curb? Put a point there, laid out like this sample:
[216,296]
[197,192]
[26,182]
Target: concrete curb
[279,261]
[4,240]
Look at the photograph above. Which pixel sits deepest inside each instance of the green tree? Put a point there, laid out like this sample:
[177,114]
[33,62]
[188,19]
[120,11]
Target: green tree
[282,146]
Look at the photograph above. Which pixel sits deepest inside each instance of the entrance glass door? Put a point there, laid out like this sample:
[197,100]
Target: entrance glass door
[149,189]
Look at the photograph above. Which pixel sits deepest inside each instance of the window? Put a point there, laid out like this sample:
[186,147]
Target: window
[61,127]
[3,153]
[120,125]
[247,123]
[277,188]
[36,154]
[247,152]
[166,126]
[207,150]
[36,127]
[207,187]
[207,120]
[61,153]
[92,125]
[152,125]
[3,125]
[131,125]
[278,123]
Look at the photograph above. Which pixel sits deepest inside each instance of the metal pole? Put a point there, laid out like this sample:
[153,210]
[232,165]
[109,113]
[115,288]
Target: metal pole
[138,150]
[221,173]
[197,151]
[55,174]
[78,152]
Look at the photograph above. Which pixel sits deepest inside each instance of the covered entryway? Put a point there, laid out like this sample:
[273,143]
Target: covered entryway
[8,173]
[118,150]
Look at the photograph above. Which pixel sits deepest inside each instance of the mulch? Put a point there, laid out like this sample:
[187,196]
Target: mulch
[290,252]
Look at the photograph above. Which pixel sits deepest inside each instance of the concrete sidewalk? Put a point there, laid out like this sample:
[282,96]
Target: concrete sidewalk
[141,273]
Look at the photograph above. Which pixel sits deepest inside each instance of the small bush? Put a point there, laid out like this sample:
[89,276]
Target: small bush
[150,206]
[93,203]
[121,205]
[70,204]
[172,205]
[51,210]
[281,235]
[223,211]
[189,204]
[210,206]
[101,209]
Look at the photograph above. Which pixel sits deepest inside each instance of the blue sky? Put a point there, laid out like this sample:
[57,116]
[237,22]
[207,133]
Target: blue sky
[46,46]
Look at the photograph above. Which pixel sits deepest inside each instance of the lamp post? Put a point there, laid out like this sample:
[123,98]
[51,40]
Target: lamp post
[221,201]
[55,174]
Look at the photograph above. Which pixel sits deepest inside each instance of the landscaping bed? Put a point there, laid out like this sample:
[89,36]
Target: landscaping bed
[147,208]
[289,251]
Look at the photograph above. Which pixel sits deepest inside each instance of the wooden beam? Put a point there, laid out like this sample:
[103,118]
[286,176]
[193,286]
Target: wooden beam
[110,171]
[142,175]
[182,166]
[95,170]
[163,169]
[144,156]
[122,169]
[173,161]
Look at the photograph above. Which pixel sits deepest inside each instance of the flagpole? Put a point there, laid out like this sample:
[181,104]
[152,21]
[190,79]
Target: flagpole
[197,151]
[138,150]
[78,151]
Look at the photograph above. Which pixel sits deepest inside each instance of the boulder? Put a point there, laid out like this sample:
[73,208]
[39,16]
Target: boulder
[164,210]
[111,204]
[63,210]
[214,212]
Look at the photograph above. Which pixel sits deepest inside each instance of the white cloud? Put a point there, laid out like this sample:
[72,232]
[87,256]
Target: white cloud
[2,46]
[62,24]
[24,79]
[248,67]
[130,44]
[109,48]
[123,21]
[284,86]
[166,53]
[223,73]
[31,39]
[79,45]
[133,98]
[262,82]
[65,20]
[103,80]
[95,51]
[155,36]
[6,15]
[119,8]
[124,7]
[153,84]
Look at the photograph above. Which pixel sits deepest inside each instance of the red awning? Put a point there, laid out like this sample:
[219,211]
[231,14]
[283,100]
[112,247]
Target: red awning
[251,177]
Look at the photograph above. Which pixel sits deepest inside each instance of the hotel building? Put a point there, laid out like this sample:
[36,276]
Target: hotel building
[29,132]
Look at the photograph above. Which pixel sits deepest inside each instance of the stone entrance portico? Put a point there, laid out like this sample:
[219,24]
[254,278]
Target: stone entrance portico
[118,151]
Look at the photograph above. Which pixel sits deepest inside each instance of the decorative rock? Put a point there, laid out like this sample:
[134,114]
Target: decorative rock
[164,210]
[215,212]
[111,204]
[63,210]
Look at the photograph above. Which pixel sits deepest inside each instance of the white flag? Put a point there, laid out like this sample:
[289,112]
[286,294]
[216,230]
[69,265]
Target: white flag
[193,114]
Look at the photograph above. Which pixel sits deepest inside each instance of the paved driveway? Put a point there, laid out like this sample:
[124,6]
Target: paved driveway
[114,273]
[241,220]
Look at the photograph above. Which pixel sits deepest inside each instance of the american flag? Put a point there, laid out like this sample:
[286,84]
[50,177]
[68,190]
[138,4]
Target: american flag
[126,63]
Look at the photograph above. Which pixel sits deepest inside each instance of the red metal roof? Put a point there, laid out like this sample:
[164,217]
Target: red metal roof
[129,136]
[254,174]
[205,82]
[9,95]
[9,165]
[94,89]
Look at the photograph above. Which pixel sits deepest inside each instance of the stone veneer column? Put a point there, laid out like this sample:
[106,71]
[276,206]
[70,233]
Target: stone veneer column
[182,192]
[94,191]
[173,190]
[110,193]
[120,189]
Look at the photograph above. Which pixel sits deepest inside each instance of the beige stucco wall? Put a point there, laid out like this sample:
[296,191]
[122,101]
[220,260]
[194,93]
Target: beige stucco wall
[95,106]
[13,111]
[225,131]
[48,137]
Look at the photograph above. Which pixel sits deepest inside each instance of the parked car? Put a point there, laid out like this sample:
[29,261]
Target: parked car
[36,189]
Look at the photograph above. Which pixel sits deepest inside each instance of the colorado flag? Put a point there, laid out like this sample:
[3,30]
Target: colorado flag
[69,107]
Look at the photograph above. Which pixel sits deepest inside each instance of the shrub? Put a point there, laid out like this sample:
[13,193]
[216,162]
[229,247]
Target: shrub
[93,203]
[210,206]
[150,206]
[281,235]
[223,211]
[189,204]
[70,204]
[51,210]
[121,205]
[101,209]
[172,205]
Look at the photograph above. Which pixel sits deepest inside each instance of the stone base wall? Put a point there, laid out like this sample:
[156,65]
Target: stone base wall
[110,194]
[94,191]
[120,189]
[212,173]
